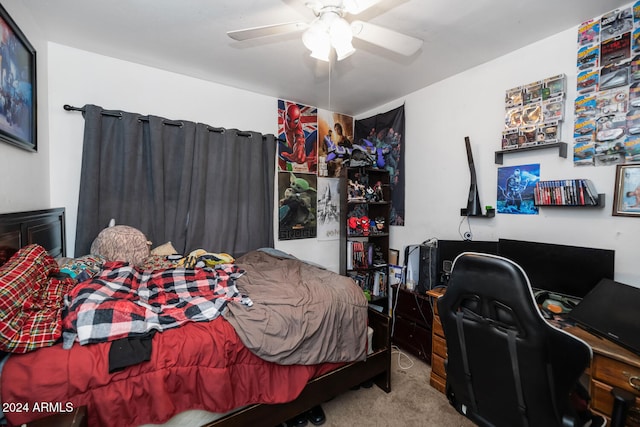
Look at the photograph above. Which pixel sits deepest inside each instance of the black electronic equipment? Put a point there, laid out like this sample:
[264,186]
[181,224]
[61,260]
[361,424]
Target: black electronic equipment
[473,201]
[448,250]
[421,267]
[611,310]
[562,271]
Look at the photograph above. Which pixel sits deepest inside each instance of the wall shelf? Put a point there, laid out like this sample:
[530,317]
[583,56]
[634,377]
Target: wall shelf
[600,204]
[580,193]
[562,150]
[490,213]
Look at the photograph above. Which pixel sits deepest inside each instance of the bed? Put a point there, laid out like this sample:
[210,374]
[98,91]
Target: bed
[188,367]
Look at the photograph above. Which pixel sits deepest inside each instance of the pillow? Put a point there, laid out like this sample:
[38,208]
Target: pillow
[25,272]
[38,323]
[157,262]
[166,249]
[29,304]
[121,243]
[89,264]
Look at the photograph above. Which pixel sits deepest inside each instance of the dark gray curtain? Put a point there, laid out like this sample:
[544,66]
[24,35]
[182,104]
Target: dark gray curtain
[178,181]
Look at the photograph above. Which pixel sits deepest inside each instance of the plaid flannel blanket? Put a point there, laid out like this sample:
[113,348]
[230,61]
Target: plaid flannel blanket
[124,301]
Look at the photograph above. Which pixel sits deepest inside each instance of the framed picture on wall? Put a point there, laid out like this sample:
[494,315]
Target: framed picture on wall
[626,195]
[17,86]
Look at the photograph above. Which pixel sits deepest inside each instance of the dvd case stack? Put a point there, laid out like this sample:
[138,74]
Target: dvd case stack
[567,192]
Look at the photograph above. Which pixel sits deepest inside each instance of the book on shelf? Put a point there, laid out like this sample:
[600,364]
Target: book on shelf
[374,282]
[379,283]
[568,192]
[590,190]
[361,255]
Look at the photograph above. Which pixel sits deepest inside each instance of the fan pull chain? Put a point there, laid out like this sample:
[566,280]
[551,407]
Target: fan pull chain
[330,68]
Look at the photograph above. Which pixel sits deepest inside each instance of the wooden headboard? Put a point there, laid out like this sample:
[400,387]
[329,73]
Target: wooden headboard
[44,227]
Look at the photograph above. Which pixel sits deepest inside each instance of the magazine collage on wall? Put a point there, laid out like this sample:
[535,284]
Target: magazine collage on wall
[607,106]
[313,147]
[606,128]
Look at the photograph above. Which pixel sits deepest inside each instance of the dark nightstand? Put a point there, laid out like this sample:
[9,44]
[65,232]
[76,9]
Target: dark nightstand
[413,323]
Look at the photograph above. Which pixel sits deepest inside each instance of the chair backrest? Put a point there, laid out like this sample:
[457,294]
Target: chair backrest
[506,365]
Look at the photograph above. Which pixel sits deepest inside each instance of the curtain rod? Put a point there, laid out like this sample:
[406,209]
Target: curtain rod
[68,107]
[119,114]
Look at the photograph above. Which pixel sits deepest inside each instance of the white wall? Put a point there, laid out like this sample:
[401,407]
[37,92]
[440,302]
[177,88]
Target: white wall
[79,77]
[472,104]
[438,118]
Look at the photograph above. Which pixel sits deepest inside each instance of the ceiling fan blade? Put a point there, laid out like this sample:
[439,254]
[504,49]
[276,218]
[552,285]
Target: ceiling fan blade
[386,38]
[355,7]
[267,30]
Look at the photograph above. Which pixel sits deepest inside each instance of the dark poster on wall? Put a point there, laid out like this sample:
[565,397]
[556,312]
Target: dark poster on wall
[385,131]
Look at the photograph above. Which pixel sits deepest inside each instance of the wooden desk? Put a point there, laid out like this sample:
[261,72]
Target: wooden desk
[438,379]
[611,366]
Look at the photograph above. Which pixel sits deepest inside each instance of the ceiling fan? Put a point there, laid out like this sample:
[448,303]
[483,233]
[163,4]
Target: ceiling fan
[331,29]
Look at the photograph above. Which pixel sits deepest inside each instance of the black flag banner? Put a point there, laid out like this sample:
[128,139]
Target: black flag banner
[385,131]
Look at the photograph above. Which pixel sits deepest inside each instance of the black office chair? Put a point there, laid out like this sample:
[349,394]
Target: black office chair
[506,366]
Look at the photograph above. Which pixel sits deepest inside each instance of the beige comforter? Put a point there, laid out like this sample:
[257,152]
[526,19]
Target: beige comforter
[301,314]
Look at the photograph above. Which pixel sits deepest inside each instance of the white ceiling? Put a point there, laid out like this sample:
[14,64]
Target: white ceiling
[189,37]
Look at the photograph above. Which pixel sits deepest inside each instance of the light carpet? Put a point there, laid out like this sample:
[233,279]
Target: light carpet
[411,403]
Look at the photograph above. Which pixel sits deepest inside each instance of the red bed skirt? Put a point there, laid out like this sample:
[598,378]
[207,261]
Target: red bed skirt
[197,366]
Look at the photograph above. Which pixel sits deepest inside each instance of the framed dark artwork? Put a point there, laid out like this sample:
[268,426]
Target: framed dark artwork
[626,194]
[17,86]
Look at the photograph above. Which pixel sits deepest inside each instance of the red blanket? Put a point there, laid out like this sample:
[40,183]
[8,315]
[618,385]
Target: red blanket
[197,366]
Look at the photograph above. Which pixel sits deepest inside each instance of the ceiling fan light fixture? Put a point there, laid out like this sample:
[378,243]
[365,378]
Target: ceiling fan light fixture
[321,54]
[344,50]
[317,40]
[341,36]
[340,29]
[315,35]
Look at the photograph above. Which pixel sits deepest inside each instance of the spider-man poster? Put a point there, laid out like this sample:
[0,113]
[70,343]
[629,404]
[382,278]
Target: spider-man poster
[298,137]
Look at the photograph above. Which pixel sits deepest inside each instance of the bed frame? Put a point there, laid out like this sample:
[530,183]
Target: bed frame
[47,228]
[377,368]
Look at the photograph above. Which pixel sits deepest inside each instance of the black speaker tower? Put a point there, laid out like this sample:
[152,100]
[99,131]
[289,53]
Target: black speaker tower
[474,208]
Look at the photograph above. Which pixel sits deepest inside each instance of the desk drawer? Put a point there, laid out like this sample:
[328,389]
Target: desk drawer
[438,383]
[415,307]
[602,401]
[437,366]
[437,326]
[439,346]
[413,337]
[616,373]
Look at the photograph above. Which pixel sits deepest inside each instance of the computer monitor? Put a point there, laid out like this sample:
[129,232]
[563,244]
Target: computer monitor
[448,250]
[568,271]
[610,310]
